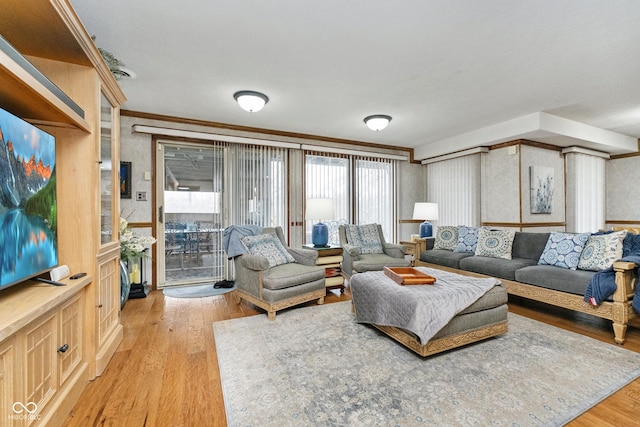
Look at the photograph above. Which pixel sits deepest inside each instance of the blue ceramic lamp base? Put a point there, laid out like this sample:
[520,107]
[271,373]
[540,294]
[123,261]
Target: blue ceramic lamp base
[320,235]
[426,230]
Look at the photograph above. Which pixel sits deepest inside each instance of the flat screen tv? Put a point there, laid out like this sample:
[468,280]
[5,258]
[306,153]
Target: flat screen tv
[28,219]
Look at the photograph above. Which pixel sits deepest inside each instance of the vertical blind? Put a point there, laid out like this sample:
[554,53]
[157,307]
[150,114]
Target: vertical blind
[374,193]
[455,185]
[258,185]
[589,184]
[328,177]
[371,198]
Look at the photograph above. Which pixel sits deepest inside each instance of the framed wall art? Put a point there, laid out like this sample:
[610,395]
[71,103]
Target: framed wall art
[541,178]
[125,180]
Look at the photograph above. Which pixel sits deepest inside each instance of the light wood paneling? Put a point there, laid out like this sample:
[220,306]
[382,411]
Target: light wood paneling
[9,383]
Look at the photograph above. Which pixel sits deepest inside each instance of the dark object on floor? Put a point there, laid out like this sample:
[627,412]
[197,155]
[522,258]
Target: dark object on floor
[224,284]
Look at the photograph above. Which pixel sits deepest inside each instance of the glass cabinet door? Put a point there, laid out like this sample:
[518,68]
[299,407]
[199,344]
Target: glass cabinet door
[108,174]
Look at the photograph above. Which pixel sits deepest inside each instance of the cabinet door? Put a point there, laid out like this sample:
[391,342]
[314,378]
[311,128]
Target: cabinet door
[108,294]
[41,367]
[8,386]
[109,173]
[70,340]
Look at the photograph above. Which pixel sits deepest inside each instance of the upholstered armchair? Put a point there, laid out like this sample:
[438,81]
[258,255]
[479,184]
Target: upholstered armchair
[365,249]
[294,280]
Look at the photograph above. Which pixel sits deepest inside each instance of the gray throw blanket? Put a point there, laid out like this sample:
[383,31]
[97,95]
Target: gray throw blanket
[420,309]
[232,235]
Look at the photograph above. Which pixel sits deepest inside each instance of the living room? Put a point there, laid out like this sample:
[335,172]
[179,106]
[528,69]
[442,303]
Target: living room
[165,369]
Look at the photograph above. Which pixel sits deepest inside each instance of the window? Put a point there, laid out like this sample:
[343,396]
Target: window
[372,199]
[374,194]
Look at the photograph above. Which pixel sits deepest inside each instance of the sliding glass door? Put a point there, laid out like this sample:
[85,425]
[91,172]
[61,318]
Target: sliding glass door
[192,219]
[206,187]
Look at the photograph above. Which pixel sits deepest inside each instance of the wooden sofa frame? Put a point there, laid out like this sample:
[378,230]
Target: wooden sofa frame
[619,311]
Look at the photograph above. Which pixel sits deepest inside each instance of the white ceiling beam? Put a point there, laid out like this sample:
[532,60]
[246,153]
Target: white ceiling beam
[540,126]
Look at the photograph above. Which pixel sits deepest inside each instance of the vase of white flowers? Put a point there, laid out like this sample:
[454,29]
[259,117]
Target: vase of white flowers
[132,245]
[132,249]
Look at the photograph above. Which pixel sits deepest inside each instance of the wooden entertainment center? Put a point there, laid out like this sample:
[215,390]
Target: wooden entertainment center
[55,339]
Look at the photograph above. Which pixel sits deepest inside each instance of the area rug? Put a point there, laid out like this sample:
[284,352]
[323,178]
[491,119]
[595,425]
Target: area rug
[314,366]
[195,291]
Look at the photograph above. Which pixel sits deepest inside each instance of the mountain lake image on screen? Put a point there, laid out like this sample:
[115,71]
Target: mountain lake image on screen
[28,215]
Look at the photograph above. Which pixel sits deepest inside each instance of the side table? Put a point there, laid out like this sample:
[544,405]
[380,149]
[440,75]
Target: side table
[414,248]
[330,258]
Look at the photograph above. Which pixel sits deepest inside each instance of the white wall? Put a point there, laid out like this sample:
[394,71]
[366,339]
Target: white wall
[623,189]
[506,187]
[500,186]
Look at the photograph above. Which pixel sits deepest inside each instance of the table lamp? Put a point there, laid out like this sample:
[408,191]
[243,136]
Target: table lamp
[320,209]
[426,211]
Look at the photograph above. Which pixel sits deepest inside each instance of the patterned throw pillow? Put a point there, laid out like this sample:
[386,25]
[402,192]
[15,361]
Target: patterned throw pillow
[602,251]
[564,249]
[366,237]
[467,239]
[446,237]
[495,243]
[269,246]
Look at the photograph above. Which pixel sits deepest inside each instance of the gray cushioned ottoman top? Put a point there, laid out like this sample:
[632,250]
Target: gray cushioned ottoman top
[495,267]
[556,278]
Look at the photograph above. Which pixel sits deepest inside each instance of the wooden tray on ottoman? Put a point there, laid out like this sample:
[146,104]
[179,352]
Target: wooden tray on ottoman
[408,276]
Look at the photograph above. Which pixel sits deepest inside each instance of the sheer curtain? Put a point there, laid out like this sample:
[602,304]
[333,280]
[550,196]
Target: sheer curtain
[455,185]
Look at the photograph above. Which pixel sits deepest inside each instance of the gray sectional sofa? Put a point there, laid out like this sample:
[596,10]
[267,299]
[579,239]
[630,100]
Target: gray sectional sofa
[522,276]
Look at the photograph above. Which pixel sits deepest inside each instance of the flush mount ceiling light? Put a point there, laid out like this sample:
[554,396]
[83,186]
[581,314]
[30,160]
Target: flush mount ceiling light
[250,101]
[377,122]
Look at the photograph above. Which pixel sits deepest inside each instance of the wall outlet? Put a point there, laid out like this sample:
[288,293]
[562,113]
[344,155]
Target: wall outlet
[141,196]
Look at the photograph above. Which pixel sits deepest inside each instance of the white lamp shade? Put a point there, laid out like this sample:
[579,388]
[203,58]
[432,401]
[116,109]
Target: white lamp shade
[251,101]
[320,209]
[378,122]
[425,211]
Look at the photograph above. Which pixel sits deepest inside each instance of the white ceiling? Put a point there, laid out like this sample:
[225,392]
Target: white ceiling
[450,73]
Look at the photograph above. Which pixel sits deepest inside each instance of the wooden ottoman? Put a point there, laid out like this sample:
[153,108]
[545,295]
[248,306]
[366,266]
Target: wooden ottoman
[374,294]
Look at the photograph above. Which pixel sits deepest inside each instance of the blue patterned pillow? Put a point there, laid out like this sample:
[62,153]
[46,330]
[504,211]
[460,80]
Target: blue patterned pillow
[366,237]
[495,243]
[269,246]
[564,249]
[446,237]
[602,251]
[467,239]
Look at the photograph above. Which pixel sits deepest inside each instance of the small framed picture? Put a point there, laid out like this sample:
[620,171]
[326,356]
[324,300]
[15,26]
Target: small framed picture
[125,180]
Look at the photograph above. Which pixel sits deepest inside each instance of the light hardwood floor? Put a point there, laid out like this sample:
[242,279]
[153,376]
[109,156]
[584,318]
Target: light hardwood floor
[165,372]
